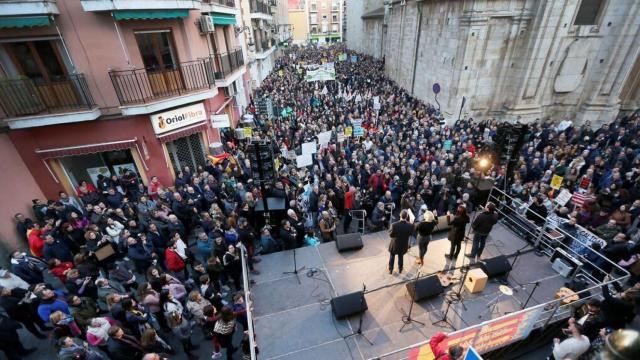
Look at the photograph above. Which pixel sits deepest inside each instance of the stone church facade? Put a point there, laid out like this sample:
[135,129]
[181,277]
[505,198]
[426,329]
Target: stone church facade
[516,60]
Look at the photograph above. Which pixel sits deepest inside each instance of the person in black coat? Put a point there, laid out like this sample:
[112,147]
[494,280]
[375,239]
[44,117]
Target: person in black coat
[10,342]
[27,267]
[56,249]
[16,303]
[288,235]
[482,226]
[424,230]
[400,233]
[456,233]
[123,347]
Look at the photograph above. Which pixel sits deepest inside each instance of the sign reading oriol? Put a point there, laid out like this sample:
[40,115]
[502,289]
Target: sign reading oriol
[177,118]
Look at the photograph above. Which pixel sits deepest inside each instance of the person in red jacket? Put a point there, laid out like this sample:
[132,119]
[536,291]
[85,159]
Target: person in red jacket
[59,268]
[175,262]
[36,241]
[439,351]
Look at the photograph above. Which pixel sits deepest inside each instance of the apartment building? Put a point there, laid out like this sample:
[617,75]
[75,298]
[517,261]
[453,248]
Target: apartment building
[260,37]
[94,87]
[325,20]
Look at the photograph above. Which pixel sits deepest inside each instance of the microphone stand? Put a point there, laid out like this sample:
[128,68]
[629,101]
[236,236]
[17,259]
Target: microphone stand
[359,330]
[406,318]
[295,268]
[535,286]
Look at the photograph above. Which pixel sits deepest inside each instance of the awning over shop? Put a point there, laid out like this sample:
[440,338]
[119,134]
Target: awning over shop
[149,14]
[185,131]
[24,21]
[86,149]
[223,19]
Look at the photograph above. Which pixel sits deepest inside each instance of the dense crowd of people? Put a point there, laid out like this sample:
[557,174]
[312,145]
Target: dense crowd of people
[174,250]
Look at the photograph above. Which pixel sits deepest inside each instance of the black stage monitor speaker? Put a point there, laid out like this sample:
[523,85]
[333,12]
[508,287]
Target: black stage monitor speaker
[424,288]
[348,305]
[349,242]
[497,266]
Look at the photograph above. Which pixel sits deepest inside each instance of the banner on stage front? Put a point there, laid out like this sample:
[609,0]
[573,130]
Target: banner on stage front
[556,182]
[309,148]
[304,160]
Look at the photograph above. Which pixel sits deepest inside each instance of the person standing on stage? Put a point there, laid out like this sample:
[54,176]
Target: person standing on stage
[399,233]
[482,226]
[456,233]
[424,230]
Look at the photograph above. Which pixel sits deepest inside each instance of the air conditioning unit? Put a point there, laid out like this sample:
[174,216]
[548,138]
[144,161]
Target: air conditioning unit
[206,24]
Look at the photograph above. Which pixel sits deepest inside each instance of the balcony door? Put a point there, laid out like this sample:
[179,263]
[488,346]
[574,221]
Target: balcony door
[160,61]
[42,62]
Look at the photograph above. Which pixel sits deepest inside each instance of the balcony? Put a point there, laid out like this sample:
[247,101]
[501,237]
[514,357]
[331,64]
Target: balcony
[28,103]
[260,10]
[143,91]
[226,66]
[111,5]
[219,6]
[28,7]
[265,49]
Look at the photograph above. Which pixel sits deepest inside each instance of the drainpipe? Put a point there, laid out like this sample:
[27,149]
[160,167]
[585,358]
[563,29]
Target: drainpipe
[415,48]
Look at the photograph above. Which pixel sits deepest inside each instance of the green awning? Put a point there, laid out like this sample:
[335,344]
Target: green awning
[223,19]
[24,21]
[149,14]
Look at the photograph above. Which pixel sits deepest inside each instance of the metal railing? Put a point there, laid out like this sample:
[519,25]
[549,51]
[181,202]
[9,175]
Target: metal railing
[229,3]
[225,64]
[24,96]
[146,85]
[257,6]
[265,45]
[248,299]
[551,311]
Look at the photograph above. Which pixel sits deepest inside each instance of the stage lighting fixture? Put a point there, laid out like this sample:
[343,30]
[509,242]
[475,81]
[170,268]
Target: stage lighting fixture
[484,163]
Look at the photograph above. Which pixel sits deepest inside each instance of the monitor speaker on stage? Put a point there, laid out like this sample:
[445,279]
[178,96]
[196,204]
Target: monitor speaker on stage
[496,267]
[348,242]
[424,288]
[349,305]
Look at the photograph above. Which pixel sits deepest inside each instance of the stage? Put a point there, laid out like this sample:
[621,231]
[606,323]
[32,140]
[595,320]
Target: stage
[294,321]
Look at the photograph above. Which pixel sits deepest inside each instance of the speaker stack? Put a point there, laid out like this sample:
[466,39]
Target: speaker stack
[424,288]
[348,242]
[348,305]
[498,266]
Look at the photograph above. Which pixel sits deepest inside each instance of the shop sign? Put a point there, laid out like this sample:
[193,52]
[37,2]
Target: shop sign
[220,121]
[177,118]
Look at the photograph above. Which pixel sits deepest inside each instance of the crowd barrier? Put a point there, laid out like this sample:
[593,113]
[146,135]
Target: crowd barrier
[248,299]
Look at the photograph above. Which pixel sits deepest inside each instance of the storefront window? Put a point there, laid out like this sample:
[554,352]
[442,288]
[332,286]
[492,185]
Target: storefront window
[186,151]
[88,167]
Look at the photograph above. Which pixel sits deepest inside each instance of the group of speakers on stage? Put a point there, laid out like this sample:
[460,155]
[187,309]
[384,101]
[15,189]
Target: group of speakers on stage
[402,230]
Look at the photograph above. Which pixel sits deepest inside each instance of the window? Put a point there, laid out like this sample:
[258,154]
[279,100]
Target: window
[314,7]
[314,18]
[314,29]
[588,12]
[156,49]
[324,5]
[334,5]
[324,16]
[334,28]
[334,18]
[39,60]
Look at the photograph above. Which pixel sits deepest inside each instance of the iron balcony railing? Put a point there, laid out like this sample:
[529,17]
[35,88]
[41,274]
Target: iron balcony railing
[265,45]
[147,85]
[225,64]
[229,3]
[24,96]
[257,6]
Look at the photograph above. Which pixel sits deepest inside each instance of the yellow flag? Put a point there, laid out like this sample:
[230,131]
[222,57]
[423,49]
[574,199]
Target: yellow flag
[248,132]
[348,131]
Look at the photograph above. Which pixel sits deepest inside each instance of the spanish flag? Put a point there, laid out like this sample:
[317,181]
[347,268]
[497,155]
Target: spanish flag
[216,159]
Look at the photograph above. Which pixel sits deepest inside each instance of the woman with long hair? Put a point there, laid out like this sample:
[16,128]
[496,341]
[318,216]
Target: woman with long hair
[456,233]
[152,343]
[169,305]
[183,329]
